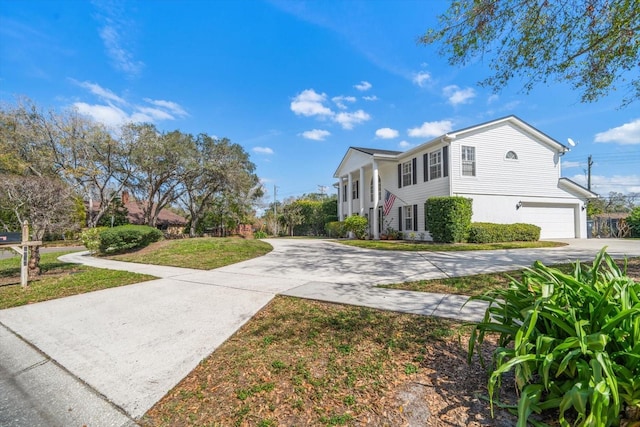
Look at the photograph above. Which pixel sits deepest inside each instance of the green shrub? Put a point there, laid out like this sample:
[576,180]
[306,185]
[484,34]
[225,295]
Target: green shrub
[634,222]
[126,237]
[448,218]
[335,229]
[357,225]
[486,232]
[90,238]
[573,341]
[260,234]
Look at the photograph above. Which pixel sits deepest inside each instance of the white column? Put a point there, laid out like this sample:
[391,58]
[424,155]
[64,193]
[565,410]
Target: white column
[349,196]
[361,190]
[376,235]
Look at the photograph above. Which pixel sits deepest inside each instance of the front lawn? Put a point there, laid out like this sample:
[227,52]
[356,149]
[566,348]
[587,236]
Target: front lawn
[481,283]
[203,253]
[404,245]
[58,279]
[301,362]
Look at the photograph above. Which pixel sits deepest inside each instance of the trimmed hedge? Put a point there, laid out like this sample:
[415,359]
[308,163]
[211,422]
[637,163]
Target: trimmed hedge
[448,218]
[486,232]
[125,237]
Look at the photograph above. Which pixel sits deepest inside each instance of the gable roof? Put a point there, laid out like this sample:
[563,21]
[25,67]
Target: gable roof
[574,187]
[373,151]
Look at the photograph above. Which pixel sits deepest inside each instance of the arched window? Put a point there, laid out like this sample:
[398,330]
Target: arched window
[511,155]
[379,189]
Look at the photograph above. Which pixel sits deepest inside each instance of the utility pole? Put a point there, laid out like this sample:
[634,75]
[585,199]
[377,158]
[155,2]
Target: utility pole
[322,189]
[589,164]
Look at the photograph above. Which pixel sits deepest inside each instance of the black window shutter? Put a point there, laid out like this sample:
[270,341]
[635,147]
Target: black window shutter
[415,217]
[445,160]
[400,218]
[400,175]
[425,167]
[357,189]
[414,171]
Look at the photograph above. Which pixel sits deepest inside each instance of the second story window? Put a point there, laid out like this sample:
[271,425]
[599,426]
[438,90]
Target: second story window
[407,173]
[435,164]
[355,190]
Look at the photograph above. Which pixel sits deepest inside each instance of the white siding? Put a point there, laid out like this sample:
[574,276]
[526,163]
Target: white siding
[535,173]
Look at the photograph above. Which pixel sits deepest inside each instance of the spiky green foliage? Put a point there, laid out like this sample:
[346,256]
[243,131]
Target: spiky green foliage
[572,340]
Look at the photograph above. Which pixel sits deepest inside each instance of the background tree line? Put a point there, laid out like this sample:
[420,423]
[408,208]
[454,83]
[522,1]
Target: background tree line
[52,162]
[306,215]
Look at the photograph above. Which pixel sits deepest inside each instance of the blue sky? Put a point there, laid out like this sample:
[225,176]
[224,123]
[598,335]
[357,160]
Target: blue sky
[295,83]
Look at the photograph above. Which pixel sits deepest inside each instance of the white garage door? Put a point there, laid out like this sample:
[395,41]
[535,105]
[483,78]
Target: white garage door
[555,221]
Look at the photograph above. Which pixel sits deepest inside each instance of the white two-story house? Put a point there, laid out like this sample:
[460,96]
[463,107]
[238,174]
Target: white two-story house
[510,170]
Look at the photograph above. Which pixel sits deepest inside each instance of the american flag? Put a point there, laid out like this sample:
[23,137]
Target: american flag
[389,199]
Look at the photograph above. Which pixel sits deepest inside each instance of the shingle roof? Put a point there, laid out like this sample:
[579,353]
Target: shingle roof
[373,151]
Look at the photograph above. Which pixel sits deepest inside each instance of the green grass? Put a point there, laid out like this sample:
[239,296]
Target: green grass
[203,253]
[58,279]
[480,283]
[403,245]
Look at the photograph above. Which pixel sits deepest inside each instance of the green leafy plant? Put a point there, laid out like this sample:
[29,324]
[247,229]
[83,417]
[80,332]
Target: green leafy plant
[572,340]
[90,238]
[357,225]
[486,232]
[125,237]
[260,234]
[335,229]
[448,218]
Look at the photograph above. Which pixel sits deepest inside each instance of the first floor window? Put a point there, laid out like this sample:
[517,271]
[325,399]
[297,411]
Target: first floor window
[344,193]
[408,217]
[355,190]
[468,161]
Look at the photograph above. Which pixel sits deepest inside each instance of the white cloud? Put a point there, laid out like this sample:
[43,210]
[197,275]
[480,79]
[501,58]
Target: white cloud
[101,92]
[175,108]
[316,134]
[370,98]
[405,144]
[114,115]
[262,150]
[431,129]
[340,101]
[108,115]
[456,95]
[114,37]
[627,134]
[603,185]
[310,103]
[387,133]
[348,120]
[421,78]
[363,86]
[493,98]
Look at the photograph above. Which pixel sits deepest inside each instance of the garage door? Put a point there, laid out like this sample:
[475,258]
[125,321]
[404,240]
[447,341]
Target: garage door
[555,221]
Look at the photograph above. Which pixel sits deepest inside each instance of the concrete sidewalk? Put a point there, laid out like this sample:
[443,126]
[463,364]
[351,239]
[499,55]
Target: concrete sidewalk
[122,349]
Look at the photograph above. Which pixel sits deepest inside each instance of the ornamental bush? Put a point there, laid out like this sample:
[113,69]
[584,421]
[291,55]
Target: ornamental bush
[486,232]
[448,218]
[90,238]
[126,237]
[335,229]
[572,340]
[634,222]
[357,225]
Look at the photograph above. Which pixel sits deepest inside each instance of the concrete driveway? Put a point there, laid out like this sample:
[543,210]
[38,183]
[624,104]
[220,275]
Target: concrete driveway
[120,350]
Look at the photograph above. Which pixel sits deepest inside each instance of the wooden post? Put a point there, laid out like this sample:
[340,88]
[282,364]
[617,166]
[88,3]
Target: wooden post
[24,270]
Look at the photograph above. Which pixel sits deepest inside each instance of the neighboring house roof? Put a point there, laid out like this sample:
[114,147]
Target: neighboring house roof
[165,217]
[135,215]
[612,215]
